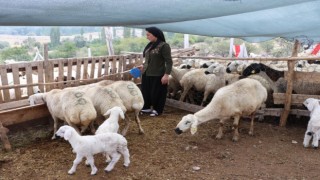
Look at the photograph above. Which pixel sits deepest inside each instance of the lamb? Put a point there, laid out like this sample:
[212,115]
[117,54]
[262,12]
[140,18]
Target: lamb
[206,83]
[313,129]
[241,98]
[280,84]
[68,105]
[111,124]
[87,146]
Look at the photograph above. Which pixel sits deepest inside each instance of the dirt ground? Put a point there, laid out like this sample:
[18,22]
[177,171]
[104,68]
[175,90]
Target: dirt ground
[272,153]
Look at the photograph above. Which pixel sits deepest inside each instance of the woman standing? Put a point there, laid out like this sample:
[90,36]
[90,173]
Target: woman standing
[155,72]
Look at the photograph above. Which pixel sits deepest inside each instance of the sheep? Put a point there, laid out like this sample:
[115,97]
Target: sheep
[111,124]
[4,137]
[241,98]
[70,106]
[236,66]
[313,129]
[280,84]
[174,80]
[87,146]
[209,83]
[132,99]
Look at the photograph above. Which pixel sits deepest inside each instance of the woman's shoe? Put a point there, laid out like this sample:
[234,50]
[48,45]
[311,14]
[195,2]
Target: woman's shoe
[146,110]
[154,113]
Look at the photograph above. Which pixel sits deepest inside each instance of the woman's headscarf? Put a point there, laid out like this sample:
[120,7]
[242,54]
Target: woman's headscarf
[156,32]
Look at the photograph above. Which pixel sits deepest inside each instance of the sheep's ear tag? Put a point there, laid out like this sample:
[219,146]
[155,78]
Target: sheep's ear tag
[253,71]
[193,130]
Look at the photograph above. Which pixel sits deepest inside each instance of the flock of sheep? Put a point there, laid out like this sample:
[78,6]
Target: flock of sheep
[240,89]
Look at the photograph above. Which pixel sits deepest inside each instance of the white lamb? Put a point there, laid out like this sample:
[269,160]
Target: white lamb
[111,124]
[313,129]
[86,146]
[241,98]
[68,105]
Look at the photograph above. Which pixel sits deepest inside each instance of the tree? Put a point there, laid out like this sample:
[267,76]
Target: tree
[103,36]
[81,31]
[55,36]
[16,53]
[4,44]
[79,41]
[267,46]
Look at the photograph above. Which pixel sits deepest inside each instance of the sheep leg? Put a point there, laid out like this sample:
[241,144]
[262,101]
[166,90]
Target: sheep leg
[205,96]
[137,119]
[236,130]
[115,158]
[220,132]
[184,93]
[307,136]
[315,140]
[92,128]
[55,126]
[4,137]
[251,125]
[90,161]
[126,126]
[75,164]
[126,156]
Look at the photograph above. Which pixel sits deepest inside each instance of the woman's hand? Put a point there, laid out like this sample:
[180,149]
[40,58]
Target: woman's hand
[165,79]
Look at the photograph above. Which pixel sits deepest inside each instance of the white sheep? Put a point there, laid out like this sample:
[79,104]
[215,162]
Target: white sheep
[174,80]
[111,124]
[242,98]
[236,66]
[68,105]
[86,146]
[132,99]
[313,129]
[207,83]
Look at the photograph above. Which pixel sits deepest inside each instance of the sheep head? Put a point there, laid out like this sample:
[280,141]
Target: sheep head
[253,68]
[65,132]
[311,103]
[116,110]
[189,121]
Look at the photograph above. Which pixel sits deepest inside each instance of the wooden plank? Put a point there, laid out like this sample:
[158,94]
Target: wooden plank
[4,81]
[93,68]
[120,67]
[287,104]
[14,104]
[29,79]
[23,114]
[297,99]
[100,66]
[106,66]
[85,68]
[60,77]
[16,80]
[114,65]
[40,75]
[78,71]
[305,76]
[69,72]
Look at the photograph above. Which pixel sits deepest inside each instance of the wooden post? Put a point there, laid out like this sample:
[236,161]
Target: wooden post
[46,67]
[287,104]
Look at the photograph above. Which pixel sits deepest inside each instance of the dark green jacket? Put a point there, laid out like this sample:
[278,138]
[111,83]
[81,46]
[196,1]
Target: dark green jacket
[158,61]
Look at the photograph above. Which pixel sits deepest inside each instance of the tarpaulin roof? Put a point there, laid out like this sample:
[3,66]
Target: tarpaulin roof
[252,20]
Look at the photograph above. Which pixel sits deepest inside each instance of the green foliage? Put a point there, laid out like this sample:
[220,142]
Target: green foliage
[99,50]
[66,50]
[16,53]
[4,44]
[55,36]
[80,41]
[81,31]
[176,41]
[267,46]
[30,43]
[130,44]
[126,32]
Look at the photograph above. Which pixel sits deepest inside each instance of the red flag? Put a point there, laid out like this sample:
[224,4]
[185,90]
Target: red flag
[316,50]
[236,50]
